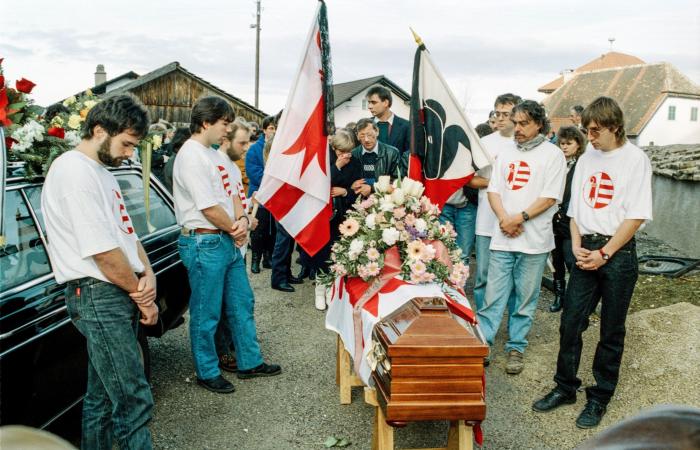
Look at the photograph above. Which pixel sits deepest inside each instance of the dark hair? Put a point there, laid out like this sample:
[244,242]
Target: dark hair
[116,114]
[362,124]
[606,113]
[210,110]
[535,112]
[483,129]
[381,92]
[508,98]
[181,136]
[578,109]
[572,133]
[492,113]
[267,121]
[54,110]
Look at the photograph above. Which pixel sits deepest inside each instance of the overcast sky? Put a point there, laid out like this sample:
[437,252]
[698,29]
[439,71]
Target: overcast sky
[482,48]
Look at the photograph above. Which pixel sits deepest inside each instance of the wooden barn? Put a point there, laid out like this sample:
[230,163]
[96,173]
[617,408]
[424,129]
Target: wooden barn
[170,91]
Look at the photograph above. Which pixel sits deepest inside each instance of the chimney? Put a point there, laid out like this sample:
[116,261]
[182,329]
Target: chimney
[567,74]
[100,74]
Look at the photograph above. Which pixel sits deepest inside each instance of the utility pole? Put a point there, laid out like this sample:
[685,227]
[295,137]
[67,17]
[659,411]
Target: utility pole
[256,25]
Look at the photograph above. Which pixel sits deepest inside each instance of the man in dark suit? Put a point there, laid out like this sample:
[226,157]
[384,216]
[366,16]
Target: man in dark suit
[393,130]
[377,158]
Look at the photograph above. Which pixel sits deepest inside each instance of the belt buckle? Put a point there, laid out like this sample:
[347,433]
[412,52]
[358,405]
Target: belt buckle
[187,231]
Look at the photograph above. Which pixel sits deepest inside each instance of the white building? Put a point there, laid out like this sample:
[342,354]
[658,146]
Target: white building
[659,102]
[350,102]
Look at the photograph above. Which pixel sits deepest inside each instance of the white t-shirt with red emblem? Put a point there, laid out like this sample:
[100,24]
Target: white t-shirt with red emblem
[520,178]
[200,181]
[610,187]
[486,221]
[85,214]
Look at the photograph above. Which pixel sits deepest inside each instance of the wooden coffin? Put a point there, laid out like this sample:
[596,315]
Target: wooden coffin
[429,364]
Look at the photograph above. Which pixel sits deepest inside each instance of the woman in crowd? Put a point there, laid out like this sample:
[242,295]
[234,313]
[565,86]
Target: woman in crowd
[573,144]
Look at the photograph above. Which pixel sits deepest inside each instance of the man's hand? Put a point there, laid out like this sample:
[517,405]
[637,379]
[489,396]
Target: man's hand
[343,160]
[361,187]
[338,192]
[253,223]
[512,226]
[593,260]
[357,183]
[239,229]
[149,314]
[145,293]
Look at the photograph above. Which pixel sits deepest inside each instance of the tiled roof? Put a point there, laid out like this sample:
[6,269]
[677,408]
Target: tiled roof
[343,92]
[639,89]
[605,61]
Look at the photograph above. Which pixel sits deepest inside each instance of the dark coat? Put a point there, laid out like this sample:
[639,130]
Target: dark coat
[400,134]
[388,160]
[255,164]
[560,221]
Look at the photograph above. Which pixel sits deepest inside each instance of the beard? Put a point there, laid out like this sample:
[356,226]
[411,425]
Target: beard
[105,156]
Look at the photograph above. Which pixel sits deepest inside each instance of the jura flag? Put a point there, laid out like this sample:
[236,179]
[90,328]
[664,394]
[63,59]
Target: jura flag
[296,185]
[445,149]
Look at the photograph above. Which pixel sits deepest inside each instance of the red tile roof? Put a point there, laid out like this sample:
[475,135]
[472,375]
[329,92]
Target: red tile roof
[605,61]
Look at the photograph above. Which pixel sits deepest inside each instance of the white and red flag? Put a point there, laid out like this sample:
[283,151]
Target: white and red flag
[445,149]
[296,185]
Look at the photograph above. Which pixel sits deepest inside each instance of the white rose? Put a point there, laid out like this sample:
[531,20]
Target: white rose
[390,236]
[69,101]
[157,141]
[74,121]
[356,246]
[382,184]
[398,196]
[386,204]
[370,221]
[421,225]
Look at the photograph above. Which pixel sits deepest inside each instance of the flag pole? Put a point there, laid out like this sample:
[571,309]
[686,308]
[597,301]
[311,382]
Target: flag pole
[418,39]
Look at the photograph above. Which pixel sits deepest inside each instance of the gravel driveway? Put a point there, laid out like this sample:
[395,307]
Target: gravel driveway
[300,408]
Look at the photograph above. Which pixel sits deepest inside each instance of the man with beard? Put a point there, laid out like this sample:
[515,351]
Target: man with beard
[212,230]
[110,284]
[526,184]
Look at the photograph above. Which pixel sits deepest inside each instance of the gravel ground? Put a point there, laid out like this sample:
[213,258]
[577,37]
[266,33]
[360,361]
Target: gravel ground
[300,408]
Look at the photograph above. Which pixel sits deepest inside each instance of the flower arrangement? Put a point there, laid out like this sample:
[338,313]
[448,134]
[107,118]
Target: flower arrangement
[398,216]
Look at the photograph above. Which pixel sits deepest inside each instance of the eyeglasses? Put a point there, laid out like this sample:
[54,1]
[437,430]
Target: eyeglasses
[595,132]
[503,114]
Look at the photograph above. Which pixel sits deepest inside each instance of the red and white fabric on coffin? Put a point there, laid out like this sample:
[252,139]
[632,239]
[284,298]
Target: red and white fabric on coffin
[347,292]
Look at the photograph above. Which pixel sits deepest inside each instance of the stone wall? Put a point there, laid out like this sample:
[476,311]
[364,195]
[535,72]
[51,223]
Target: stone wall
[680,162]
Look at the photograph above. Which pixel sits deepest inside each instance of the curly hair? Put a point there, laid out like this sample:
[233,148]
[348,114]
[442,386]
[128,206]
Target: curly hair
[535,112]
[116,114]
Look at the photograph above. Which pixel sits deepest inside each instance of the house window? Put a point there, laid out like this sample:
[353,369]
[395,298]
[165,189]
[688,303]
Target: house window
[671,113]
[364,103]
[694,114]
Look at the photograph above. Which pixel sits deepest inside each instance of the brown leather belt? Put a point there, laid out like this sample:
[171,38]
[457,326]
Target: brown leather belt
[190,231]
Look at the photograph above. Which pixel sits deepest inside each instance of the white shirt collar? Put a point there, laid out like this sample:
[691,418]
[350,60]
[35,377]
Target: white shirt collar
[390,120]
[374,150]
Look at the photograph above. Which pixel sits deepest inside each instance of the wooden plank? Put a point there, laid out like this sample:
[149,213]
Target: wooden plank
[437,370]
[345,375]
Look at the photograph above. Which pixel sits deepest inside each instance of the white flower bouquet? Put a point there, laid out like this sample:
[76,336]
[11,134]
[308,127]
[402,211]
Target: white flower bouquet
[398,216]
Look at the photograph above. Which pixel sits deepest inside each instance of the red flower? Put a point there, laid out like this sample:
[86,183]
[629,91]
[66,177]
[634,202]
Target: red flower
[24,85]
[8,142]
[4,112]
[57,132]
[2,81]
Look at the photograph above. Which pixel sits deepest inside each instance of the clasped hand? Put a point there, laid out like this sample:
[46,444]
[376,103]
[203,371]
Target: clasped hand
[512,226]
[145,299]
[588,259]
[239,232]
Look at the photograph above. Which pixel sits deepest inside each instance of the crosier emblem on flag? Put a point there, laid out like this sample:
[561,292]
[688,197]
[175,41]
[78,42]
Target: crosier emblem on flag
[296,185]
[445,149]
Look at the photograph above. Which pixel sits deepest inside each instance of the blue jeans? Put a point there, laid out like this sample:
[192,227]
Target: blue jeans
[512,274]
[218,279]
[464,222]
[483,255]
[118,401]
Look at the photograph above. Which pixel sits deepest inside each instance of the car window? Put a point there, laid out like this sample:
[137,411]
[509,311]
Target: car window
[23,257]
[161,214]
[34,195]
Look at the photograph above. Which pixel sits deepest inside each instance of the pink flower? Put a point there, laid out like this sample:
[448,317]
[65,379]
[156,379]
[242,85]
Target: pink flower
[399,213]
[427,252]
[410,220]
[339,269]
[349,227]
[372,254]
[414,249]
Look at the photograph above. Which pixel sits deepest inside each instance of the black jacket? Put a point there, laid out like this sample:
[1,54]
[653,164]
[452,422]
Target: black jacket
[388,160]
[560,221]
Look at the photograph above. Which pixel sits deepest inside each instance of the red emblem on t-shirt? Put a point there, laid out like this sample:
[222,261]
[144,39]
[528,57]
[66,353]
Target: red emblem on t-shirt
[517,175]
[123,218]
[224,179]
[598,190]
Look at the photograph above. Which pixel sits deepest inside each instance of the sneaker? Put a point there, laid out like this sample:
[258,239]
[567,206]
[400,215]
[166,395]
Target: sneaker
[515,363]
[228,363]
[263,370]
[591,415]
[219,385]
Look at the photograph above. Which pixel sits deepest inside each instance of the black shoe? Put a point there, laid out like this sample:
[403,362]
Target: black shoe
[304,273]
[553,400]
[312,275]
[255,263]
[294,280]
[263,370]
[284,287]
[267,260]
[591,415]
[218,384]
[559,290]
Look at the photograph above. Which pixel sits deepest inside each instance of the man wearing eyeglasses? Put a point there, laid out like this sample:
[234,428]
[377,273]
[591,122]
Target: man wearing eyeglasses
[377,158]
[494,144]
[610,200]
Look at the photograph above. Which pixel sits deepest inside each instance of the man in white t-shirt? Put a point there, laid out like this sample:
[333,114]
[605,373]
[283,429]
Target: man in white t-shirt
[486,222]
[610,199]
[526,184]
[213,227]
[94,249]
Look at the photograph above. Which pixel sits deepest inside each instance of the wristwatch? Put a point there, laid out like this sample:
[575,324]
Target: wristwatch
[603,254]
[526,216]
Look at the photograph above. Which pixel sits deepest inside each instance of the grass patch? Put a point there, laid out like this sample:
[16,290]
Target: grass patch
[655,291]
